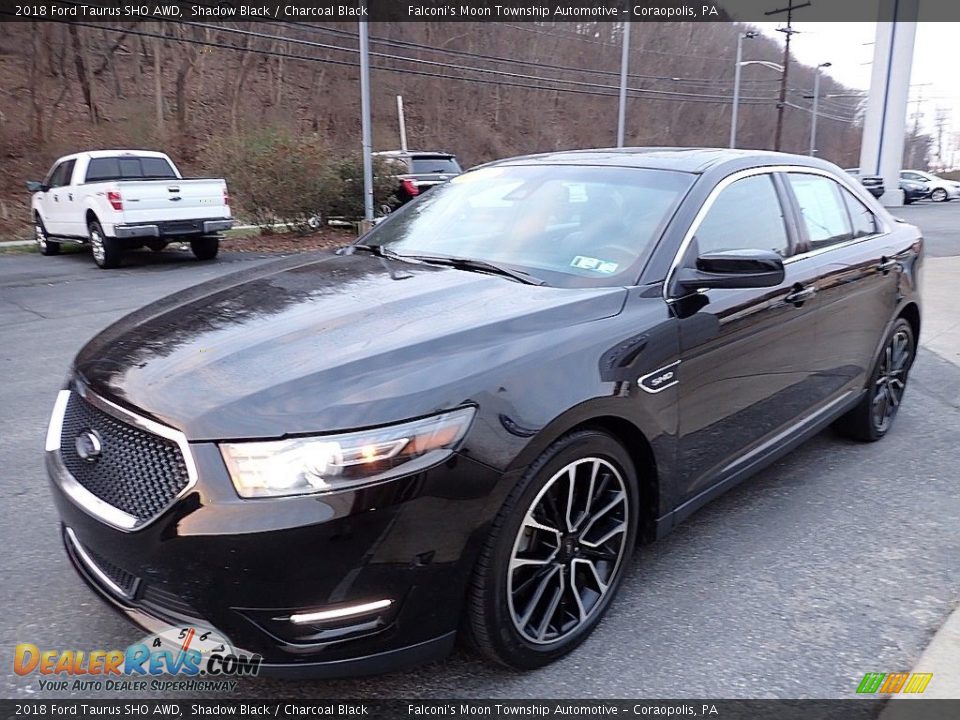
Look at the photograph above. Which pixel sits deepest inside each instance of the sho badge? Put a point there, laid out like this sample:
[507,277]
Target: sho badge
[660,379]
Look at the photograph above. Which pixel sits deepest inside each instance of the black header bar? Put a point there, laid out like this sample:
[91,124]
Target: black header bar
[513,11]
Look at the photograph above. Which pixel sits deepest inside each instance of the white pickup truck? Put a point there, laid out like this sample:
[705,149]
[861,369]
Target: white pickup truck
[124,199]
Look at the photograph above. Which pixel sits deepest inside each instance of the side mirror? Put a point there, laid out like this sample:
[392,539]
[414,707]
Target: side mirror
[734,269]
[35,186]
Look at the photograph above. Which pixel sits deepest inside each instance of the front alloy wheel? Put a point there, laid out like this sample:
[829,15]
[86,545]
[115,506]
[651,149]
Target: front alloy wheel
[556,554]
[44,244]
[567,550]
[938,195]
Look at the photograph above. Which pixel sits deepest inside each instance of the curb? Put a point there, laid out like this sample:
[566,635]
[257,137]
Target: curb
[942,658]
[16,243]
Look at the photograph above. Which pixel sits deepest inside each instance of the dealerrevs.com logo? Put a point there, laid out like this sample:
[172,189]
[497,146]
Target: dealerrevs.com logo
[200,659]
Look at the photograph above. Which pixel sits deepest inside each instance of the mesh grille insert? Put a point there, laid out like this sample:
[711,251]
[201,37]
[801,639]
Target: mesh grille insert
[135,471]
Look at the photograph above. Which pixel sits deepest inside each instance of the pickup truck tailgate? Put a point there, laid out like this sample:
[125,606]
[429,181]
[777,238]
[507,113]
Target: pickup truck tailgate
[152,201]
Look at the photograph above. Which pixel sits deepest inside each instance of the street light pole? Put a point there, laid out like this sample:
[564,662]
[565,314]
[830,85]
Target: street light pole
[816,104]
[365,122]
[736,86]
[624,61]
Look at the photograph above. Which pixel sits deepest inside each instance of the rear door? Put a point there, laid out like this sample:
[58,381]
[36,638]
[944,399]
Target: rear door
[747,356]
[859,276]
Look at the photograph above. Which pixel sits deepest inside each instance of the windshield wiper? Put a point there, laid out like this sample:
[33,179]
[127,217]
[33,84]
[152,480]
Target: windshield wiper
[472,265]
[377,250]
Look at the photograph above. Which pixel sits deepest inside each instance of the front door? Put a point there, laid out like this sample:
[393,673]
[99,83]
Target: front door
[747,356]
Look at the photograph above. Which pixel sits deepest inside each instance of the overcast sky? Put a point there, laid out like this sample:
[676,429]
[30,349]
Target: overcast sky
[935,58]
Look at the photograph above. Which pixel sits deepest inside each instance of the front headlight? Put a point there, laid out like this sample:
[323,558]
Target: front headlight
[335,462]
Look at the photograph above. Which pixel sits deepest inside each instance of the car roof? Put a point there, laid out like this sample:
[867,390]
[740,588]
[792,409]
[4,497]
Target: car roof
[683,159]
[413,153]
[92,154]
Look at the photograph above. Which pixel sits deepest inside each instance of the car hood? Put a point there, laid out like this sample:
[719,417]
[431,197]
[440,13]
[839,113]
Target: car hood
[322,342]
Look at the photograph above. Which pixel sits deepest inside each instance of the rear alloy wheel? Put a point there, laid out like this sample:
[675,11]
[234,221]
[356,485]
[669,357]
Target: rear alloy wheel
[874,415]
[107,251]
[44,244]
[205,248]
[939,195]
[557,552]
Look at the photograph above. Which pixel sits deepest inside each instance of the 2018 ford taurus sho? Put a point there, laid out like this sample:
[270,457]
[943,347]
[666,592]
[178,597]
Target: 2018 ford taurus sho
[466,421]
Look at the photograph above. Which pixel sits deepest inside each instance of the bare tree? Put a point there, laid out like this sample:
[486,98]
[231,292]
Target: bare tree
[82,65]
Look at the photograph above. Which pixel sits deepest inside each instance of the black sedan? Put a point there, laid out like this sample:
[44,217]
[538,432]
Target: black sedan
[466,421]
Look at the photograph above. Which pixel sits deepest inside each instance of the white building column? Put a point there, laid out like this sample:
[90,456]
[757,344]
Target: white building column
[884,126]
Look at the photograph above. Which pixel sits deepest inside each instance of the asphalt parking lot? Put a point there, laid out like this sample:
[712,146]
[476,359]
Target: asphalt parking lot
[839,560]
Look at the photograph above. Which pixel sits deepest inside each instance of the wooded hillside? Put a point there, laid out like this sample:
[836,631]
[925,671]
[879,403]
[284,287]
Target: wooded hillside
[481,90]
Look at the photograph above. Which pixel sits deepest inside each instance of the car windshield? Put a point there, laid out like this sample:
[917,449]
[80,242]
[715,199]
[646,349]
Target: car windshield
[565,225]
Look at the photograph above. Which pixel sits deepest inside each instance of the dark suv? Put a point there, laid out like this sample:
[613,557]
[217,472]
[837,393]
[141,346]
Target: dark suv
[474,413]
[419,171]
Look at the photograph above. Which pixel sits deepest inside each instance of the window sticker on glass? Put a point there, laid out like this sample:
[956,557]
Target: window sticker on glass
[588,263]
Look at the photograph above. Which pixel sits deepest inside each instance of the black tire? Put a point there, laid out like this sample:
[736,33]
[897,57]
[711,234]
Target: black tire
[107,251]
[205,248]
[44,244]
[507,590]
[873,416]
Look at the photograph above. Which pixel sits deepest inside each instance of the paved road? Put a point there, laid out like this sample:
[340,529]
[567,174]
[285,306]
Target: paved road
[838,560]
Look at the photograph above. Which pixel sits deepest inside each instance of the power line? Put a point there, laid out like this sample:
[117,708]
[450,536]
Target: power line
[693,97]
[515,61]
[274,53]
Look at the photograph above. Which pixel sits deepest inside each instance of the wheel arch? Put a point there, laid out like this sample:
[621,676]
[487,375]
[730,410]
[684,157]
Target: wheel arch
[90,216]
[635,441]
[911,313]
[644,461]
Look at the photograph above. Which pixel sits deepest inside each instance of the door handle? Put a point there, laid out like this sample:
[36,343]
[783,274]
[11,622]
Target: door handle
[70,196]
[886,265]
[800,294]
[56,198]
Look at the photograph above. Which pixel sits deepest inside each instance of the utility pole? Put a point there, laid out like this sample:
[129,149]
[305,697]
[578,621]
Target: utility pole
[624,62]
[788,31]
[916,127]
[816,107]
[366,141]
[734,113]
[941,118]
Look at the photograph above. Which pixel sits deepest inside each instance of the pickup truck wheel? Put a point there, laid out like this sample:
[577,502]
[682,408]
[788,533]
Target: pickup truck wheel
[205,248]
[47,247]
[107,252]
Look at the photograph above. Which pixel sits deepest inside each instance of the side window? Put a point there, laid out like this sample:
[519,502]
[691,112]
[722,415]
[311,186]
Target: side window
[822,209]
[48,180]
[61,174]
[67,172]
[864,222]
[745,216]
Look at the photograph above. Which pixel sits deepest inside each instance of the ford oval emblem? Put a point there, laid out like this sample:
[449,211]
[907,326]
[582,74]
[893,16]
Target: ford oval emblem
[88,445]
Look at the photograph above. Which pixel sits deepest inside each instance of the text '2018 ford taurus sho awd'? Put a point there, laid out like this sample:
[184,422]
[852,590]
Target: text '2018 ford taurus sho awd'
[468,419]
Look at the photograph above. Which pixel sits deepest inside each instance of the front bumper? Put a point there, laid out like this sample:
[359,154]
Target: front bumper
[243,567]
